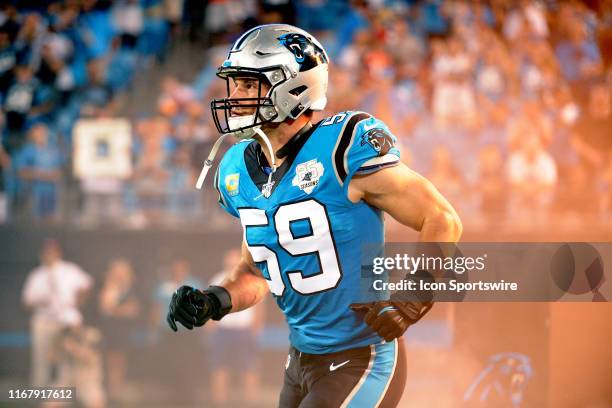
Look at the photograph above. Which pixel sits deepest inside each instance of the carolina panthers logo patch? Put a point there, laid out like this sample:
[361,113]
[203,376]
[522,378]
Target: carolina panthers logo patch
[306,52]
[380,140]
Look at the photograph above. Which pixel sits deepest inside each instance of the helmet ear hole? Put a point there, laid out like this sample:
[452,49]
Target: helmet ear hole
[295,112]
[298,90]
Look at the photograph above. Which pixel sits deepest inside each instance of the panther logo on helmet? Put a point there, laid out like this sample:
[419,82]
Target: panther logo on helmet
[380,140]
[306,52]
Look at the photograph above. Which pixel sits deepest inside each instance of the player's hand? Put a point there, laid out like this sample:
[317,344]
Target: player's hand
[190,307]
[390,319]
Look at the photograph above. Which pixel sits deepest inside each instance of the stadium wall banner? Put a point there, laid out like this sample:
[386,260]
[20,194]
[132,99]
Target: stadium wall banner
[102,148]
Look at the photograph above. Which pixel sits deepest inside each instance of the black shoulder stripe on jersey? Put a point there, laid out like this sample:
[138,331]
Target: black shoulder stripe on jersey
[344,143]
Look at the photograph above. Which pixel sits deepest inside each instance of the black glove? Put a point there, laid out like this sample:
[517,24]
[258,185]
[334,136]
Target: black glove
[390,319]
[193,307]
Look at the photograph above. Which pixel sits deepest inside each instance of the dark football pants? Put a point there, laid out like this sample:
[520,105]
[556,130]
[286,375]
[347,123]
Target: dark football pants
[366,377]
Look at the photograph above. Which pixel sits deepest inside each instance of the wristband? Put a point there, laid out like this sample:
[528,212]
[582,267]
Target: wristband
[221,299]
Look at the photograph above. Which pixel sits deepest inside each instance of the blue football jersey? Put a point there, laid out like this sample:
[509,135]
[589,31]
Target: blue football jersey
[312,244]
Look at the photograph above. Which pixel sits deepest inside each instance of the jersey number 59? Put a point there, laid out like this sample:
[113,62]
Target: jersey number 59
[319,243]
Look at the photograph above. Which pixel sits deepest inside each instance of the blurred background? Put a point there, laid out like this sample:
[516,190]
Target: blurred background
[505,105]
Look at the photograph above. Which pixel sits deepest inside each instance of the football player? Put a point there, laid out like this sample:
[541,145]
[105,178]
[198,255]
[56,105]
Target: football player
[310,197]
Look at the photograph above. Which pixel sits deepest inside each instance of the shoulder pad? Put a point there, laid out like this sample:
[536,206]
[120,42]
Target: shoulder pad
[364,145]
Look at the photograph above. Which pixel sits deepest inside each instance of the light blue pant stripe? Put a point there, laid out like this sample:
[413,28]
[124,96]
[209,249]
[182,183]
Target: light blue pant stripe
[375,385]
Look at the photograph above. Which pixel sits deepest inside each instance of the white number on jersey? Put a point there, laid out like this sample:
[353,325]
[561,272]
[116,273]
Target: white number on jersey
[319,243]
[334,119]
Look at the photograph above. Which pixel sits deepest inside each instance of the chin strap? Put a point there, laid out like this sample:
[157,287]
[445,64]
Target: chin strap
[266,190]
[267,187]
[209,161]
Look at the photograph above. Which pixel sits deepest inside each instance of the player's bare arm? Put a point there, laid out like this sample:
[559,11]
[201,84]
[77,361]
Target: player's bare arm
[411,199]
[245,284]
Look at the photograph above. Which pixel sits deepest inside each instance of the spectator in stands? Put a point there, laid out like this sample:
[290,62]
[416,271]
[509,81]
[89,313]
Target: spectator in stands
[538,68]
[97,98]
[578,54]
[54,291]
[8,60]
[527,19]
[121,64]
[351,56]
[453,92]
[95,27]
[491,80]
[30,37]
[433,16]
[494,78]
[407,99]
[405,44]
[153,41]
[176,91]
[128,20]
[39,166]
[532,175]
[62,56]
[10,19]
[18,104]
[119,307]
[484,13]
[235,346]
[563,112]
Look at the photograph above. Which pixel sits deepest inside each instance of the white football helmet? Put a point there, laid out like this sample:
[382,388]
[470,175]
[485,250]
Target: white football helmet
[294,64]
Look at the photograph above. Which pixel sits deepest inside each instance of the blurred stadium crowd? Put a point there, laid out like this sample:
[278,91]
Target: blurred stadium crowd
[505,105]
